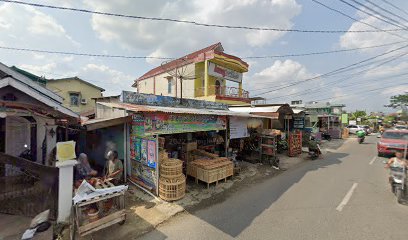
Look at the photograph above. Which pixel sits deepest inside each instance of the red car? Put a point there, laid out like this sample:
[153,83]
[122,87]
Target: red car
[392,141]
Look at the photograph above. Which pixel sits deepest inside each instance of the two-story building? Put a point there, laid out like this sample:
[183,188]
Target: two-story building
[207,74]
[78,94]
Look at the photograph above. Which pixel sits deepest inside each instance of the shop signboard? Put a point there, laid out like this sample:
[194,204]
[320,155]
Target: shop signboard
[344,118]
[298,122]
[352,122]
[162,123]
[216,70]
[238,127]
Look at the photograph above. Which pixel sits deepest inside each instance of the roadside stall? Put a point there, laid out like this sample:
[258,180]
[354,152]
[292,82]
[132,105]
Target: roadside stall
[331,125]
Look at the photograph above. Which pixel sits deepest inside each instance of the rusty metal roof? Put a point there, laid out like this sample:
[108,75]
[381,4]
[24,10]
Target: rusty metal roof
[146,108]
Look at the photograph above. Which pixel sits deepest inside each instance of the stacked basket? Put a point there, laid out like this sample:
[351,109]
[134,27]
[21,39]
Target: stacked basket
[172,182]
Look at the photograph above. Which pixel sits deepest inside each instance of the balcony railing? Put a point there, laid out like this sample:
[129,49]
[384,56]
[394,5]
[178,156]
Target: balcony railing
[222,91]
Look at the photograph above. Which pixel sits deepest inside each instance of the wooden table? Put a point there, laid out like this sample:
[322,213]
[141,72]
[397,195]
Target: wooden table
[80,224]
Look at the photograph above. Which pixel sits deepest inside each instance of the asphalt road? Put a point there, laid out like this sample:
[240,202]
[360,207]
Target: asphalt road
[343,196]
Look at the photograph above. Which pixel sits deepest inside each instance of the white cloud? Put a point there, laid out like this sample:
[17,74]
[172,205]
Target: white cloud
[112,80]
[40,70]
[356,40]
[280,73]
[29,23]
[173,39]
[387,70]
[395,90]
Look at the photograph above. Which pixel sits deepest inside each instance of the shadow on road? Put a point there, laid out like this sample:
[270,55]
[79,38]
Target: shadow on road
[236,211]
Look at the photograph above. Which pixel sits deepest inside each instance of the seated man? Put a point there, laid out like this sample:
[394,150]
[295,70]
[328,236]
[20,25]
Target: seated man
[83,169]
[114,168]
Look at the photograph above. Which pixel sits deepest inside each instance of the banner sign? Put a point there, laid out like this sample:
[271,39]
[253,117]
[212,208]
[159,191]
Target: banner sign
[225,73]
[162,123]
[238,127]
[344,118]
[298,122]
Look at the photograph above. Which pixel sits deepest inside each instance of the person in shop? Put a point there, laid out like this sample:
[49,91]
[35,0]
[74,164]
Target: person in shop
[83,169]
[114,168]
[219,144]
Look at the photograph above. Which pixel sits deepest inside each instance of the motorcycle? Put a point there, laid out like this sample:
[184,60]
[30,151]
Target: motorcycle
[360,140]
[326,136]
[314,152]
[398,181]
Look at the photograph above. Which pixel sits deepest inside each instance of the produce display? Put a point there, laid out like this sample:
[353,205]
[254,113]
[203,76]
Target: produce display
[295,144]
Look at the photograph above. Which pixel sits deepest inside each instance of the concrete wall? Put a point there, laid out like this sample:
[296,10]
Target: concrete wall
[108,112]
[86,91]
[158,85]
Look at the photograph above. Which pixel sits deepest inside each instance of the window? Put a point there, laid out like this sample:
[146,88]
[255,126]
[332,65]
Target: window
[169,84]
[74,99]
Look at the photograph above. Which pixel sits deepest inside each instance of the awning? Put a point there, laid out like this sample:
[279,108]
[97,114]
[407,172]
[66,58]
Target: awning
[104,123]
[146,108]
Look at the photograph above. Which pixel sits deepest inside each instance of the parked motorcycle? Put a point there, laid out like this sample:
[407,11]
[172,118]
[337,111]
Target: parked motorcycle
[398,181]
[326,136]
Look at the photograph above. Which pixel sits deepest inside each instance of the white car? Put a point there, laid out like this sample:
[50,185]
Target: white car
[354,128]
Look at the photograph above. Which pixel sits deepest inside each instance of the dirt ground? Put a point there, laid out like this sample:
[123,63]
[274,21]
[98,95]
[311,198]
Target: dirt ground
[145,212]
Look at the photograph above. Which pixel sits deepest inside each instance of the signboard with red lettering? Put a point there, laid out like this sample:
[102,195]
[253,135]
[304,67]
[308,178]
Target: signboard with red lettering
[216,70]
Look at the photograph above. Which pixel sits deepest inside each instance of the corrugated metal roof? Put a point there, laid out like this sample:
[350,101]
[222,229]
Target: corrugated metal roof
[146,108]
[255,109]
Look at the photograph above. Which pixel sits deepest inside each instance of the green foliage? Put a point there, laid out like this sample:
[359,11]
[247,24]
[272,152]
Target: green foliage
[398,100]
[358,114]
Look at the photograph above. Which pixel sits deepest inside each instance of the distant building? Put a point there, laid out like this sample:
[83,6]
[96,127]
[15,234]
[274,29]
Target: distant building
[319,108]
[78,94]
[209,74]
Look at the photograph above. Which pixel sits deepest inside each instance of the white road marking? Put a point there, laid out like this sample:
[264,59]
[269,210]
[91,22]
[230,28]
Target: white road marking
[373,160]
[346,198]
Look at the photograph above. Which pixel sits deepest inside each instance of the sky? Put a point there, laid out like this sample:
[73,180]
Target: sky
[367,86]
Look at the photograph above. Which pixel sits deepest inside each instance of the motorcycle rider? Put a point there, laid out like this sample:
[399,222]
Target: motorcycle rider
[361,135]
[313,146]
[398,161]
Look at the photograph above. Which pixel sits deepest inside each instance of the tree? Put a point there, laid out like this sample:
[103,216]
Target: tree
[358,114]
[400,100]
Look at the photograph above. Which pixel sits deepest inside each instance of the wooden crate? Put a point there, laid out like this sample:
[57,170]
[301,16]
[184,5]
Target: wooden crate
[172,189]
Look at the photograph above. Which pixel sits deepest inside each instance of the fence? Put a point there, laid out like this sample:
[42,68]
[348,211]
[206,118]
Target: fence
[27,188]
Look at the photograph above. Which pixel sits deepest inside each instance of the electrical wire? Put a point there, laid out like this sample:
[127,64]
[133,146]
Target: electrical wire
[343,78]
[364,91]
[323,52]
[371,15]
[355,19]
[333,71]
[189,21]
[386,10]
[394,6]
[380,14]
[172,58]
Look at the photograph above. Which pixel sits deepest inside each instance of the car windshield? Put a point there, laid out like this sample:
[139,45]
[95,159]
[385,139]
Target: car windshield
[396,135]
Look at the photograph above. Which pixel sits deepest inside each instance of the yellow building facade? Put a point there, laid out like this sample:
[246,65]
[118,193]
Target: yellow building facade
[208,74]
[78,94]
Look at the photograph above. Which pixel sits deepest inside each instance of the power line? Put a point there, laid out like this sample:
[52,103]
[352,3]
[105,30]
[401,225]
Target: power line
[323,52]
[331,72]
[355,19]
[189,21]
[386,10]
[365,91]
[370,14]
[380,14]
[344,78]
[82,54]
[170,58]
[394,6]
